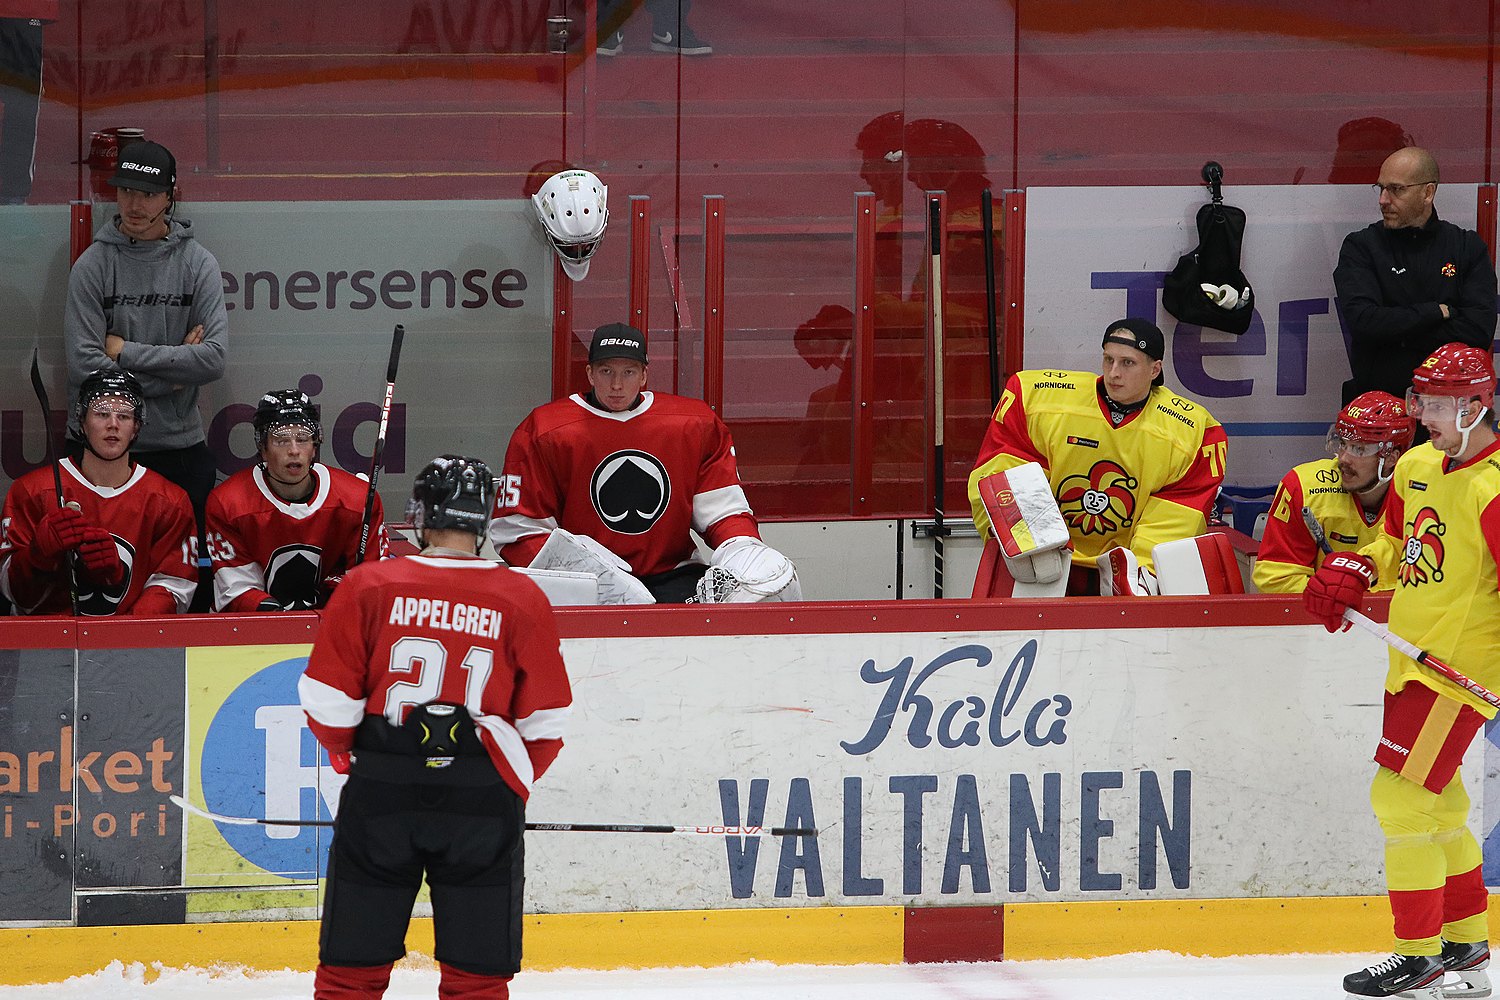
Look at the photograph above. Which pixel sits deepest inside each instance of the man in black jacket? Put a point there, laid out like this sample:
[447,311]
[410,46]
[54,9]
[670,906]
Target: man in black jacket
[1411,282]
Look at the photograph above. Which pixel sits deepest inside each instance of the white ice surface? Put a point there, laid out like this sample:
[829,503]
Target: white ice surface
[1151,976]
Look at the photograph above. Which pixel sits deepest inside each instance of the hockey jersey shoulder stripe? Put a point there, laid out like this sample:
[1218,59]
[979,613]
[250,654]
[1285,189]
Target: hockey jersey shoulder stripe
[328,705]
[511,747]
[545,724]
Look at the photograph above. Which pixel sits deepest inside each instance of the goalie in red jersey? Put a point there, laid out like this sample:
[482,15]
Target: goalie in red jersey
[614,482]
[282,533]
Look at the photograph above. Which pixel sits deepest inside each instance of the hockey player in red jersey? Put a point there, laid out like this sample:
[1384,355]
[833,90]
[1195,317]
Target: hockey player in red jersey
[437,684]
[1440,547]
[1346,493]
[613,482]
[120,533]
[282,533]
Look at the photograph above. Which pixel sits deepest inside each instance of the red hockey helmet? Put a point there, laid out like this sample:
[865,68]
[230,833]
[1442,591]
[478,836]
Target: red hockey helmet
[1377,421]
[1456,370]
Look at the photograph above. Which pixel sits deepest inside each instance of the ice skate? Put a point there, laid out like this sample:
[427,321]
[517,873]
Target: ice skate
[1464,965]
[1414,976]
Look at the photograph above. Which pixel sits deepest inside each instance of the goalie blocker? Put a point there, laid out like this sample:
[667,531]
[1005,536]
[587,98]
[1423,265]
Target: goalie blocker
[1028,553]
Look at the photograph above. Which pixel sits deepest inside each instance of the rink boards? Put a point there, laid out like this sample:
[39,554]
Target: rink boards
[1050,778]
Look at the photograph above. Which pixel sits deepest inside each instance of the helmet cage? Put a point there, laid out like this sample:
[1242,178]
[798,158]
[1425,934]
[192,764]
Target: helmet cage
[115,383]
[286,408]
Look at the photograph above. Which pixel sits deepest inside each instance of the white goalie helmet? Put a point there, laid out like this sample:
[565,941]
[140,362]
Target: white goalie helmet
[571,206]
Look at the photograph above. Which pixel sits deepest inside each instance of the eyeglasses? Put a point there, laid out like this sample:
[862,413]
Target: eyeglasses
[1397,190]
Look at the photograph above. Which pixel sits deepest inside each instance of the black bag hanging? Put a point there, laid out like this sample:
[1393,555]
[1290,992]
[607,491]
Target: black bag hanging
[1207,287]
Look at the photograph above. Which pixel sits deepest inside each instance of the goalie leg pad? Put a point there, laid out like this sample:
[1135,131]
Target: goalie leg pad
[566,551]
[745,570]
[1205,564]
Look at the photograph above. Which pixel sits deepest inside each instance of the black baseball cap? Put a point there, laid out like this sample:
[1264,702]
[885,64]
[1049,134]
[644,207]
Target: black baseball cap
[145,166]
[617,340]
[1142,334]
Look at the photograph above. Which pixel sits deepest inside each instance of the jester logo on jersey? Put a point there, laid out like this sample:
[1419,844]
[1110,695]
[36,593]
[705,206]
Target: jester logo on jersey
[100,600]
[630,490]
[1422,555]
[1099,503]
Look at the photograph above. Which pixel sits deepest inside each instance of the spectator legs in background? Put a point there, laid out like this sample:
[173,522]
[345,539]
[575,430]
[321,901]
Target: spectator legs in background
[20,93]
[670,31]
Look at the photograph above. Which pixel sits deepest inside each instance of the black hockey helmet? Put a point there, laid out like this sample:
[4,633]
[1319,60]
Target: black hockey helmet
[453,492]
[286,408]
[110,382]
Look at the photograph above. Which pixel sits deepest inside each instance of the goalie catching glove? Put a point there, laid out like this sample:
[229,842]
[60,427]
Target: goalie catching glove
[1339,584]
[745,570]
[580,553]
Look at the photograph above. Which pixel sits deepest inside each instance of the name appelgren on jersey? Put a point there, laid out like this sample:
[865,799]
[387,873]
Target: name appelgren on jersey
[449,617]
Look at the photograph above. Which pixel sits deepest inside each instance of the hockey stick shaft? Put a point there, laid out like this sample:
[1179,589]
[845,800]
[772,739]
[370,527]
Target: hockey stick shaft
[692,831]
[52,460]
[939,472]
[991,313]
[1384,634]
[385,418]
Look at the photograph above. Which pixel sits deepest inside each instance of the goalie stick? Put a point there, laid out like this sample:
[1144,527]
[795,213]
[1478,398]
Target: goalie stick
[939,473]
[52,460]
[385,417]
[1384,634]
[692,831]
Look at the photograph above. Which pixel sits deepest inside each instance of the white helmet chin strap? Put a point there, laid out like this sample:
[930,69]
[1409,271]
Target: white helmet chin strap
[1381,476]
[1463,445]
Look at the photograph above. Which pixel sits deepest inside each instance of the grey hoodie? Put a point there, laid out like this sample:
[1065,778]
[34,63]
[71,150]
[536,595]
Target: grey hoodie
[151,293]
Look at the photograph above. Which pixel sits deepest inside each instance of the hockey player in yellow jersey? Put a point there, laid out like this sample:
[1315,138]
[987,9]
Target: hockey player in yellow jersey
[1440,547]
[1130,462]
[1346,493]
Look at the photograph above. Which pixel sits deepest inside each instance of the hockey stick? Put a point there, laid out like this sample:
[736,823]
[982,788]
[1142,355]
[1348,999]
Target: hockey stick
[693,831]
[385,416]
[52,460]
[987,224]
[1384,634]
[935,235]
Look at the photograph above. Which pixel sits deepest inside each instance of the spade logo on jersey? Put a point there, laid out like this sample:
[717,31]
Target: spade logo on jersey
[1422,555]
[630,490]
[293,574]
[1100,502]
[98,600]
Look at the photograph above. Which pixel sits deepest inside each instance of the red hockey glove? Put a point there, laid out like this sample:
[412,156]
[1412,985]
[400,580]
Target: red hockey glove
[101,560]
[325,591]
[1338,584]
[339,760]
[57,532]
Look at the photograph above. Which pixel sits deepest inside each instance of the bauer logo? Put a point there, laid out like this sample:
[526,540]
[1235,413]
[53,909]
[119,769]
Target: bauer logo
[260,760]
